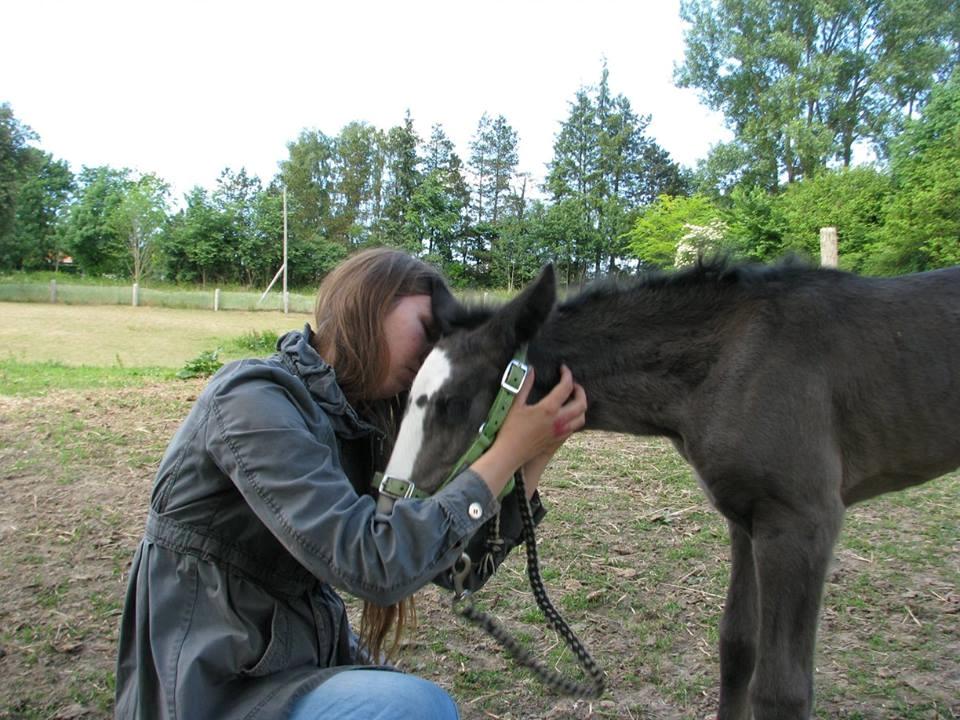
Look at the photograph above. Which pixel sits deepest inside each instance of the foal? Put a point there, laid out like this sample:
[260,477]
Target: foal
[792,392]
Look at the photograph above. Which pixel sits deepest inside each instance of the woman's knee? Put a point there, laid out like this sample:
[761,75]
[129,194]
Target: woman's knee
[376,695]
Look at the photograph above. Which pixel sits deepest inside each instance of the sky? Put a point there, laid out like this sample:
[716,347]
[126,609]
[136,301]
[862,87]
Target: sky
[184,89]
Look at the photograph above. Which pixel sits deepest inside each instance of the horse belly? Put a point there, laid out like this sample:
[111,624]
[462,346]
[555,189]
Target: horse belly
[678,444]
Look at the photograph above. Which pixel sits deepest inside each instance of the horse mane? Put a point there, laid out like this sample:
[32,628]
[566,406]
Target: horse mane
[706,273]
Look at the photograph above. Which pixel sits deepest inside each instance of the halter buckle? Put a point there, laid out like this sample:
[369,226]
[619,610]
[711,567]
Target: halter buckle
[513,385]
[389,479]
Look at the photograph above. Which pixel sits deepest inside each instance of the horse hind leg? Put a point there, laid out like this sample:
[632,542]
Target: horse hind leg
[792,549]
[738,629]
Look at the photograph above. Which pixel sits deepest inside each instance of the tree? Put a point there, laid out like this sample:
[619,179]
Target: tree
[754,223]
[261,252]
[89,236]
[198,244]
[564,233]
[356,191]
[922,222]
[730,165]
[42,203]
[802,82]
[605,163]
[310,178]
[403,178]
[435,219]
[493,160]
[236,199]
[14,159]
[137,220]
[517,256]
[308,175]
[443,199]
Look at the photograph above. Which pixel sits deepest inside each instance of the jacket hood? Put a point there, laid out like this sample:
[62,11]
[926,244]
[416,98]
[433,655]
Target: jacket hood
[299,356]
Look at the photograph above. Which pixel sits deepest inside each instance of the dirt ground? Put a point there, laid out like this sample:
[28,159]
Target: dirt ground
[631,553]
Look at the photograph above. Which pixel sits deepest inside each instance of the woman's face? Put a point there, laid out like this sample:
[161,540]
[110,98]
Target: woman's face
[405,331]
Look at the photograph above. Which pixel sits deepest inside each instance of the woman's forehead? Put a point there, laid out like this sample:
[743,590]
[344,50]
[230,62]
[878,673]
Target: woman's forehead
[419,304]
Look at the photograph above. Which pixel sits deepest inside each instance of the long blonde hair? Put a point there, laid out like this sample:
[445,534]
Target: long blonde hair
[352,302]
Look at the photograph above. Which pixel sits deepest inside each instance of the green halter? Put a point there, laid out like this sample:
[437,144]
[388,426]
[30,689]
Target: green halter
[510,384]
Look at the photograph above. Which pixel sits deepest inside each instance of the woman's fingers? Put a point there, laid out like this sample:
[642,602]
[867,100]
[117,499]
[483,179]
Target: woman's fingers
[577,410]
[555,399]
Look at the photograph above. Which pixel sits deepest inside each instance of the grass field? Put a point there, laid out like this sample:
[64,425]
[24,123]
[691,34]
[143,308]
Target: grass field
[632,555]
[124,336]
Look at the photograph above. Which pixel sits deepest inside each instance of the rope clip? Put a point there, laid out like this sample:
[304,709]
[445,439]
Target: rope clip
[461,569]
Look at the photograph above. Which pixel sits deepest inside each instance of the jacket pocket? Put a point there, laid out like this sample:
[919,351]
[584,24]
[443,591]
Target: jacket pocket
[276,656]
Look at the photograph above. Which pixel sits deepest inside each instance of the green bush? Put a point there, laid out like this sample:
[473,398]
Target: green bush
[203,365]
[258,342]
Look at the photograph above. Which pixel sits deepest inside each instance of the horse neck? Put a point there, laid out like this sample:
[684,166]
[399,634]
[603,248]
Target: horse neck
[639,353]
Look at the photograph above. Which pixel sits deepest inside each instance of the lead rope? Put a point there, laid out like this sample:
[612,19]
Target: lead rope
[550,678]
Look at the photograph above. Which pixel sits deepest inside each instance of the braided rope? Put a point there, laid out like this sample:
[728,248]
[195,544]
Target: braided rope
[550,678]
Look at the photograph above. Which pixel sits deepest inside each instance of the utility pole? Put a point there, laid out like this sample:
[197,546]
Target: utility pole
[283,267]
[286,295]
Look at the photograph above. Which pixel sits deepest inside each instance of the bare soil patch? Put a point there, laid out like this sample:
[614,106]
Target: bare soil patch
[632,556]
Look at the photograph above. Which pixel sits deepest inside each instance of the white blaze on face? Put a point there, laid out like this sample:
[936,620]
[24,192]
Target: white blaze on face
[433,374]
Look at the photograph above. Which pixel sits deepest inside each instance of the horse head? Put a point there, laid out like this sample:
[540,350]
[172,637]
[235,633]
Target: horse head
[456,385]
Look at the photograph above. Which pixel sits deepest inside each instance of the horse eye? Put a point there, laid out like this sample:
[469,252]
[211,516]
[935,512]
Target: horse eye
[452,407]
[457,407]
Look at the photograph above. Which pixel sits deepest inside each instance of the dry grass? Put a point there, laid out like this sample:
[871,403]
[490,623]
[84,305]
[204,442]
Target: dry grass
[631,554]
[111,335]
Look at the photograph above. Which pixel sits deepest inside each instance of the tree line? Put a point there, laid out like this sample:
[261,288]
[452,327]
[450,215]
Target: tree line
[805,86]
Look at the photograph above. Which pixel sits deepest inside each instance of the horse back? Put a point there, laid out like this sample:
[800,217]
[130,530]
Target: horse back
[854,377]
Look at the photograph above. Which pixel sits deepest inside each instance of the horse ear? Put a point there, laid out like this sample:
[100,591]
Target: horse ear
[529,310]
[450,315]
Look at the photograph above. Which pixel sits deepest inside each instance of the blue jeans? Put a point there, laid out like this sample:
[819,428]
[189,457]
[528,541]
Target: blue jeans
[375,695]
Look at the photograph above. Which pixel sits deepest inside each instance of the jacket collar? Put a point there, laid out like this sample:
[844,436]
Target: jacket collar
[300,358]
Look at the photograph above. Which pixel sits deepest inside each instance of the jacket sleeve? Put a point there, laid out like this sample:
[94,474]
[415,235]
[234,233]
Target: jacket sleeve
[491,544]
[279,450]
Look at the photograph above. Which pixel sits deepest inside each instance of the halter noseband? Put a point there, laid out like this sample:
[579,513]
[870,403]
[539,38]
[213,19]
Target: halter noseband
[392,488]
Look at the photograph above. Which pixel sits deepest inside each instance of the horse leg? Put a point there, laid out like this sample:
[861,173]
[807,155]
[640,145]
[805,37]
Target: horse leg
[738,629]
[792,547]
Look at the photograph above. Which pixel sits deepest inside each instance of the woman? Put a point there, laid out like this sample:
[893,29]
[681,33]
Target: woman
[261,507]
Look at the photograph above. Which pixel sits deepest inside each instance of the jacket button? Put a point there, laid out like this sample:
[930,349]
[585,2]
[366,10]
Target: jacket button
[475,511]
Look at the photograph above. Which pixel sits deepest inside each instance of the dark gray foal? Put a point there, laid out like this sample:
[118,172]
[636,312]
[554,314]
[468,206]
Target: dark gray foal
[792,392]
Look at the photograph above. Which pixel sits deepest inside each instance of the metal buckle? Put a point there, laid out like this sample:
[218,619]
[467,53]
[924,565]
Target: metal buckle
[505,380]
[408,493]
[461,570]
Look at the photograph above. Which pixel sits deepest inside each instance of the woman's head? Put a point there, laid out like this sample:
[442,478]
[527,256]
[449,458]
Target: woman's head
[373,320]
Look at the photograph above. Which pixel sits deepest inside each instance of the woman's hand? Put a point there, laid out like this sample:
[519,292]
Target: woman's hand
[531,434]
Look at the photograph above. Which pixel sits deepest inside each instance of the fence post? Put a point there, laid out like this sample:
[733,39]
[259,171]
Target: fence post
[829,255]
[216,300]
[53,291]
[136,294]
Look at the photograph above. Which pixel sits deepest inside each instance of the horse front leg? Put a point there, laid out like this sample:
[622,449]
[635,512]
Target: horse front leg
[738,629]
[792,547]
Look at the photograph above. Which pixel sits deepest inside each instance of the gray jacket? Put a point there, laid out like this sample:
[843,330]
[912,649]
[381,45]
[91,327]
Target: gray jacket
[230,610]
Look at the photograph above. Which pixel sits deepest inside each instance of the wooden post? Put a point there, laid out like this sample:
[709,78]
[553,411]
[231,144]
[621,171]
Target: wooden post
[136,294]
[53,291]
[829,255]
[216,300]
